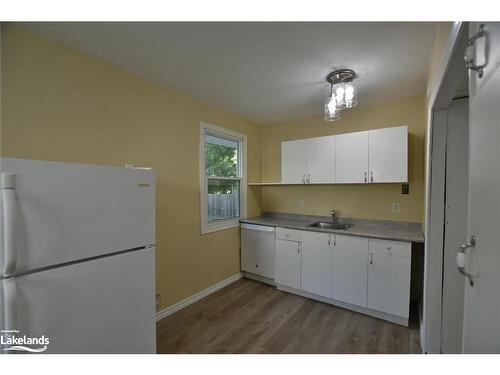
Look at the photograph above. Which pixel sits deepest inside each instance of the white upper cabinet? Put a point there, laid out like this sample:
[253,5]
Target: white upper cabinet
[351,158]
[388,154]
[349,271]
[293,161]
[316,275]
[310,161]
[373,156]
[320,158]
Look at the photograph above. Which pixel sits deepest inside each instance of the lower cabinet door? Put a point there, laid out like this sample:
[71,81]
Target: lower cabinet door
[287,263]
[349,271]
[389,277]
[316,274]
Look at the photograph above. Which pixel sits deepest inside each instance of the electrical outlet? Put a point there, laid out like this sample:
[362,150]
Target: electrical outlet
[396,208]
[158,302]
[301,203]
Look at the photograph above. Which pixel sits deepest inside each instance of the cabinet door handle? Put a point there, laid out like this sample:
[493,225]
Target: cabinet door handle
[371,258]
[298,248]
[334,240]
[371,176]
[366,177]
[304,178]
[308,178]
[469,51]
[462,262]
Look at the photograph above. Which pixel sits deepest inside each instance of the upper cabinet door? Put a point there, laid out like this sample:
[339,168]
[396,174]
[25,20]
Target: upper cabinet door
[388,154]
[293,161]
[351,158]
[321,160]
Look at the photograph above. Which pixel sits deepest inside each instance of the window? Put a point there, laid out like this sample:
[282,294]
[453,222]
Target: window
[222,178]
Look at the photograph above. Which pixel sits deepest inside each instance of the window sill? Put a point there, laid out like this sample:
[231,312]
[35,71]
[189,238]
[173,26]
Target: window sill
[220,226]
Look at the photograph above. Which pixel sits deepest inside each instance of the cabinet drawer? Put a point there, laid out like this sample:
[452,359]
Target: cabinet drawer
[288,234]
[397,248]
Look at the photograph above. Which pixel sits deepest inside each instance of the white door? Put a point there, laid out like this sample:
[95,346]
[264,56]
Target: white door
[316,275]
[388,154]
[455,234]
[351,158]
[64,212]
[389,269]
[293,161]
[287,263]
[321,160]
[106,305]
[482,301]
[257,249]
[349,271]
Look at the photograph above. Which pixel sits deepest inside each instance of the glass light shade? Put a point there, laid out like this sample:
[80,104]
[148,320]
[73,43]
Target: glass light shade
[350,96]
[339,92]
[331,112]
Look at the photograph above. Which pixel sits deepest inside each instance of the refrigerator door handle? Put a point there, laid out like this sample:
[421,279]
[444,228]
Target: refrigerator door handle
[9,223]
[9,304]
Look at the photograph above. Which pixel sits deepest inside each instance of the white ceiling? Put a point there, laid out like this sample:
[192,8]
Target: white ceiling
[265,72]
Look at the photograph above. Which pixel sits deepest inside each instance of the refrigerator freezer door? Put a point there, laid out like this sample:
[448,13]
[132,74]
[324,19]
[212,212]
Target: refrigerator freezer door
[67,212]
[106,305]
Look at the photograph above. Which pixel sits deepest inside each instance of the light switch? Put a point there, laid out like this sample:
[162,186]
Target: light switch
[301,203]
[396,208]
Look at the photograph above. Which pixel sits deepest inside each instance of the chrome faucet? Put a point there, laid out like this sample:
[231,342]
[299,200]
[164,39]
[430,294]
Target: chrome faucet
[333,213]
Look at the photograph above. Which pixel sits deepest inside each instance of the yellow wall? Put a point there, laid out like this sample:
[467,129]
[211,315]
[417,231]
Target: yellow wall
[354,200]
[61,104]
[441,36]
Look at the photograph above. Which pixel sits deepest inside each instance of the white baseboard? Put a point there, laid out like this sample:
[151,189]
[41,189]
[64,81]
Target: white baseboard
[196,297]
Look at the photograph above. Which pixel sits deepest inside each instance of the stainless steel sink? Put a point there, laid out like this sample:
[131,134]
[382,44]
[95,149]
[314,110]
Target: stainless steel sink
[326,225]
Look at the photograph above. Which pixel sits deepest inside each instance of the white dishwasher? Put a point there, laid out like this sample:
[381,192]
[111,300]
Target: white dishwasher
[257,250]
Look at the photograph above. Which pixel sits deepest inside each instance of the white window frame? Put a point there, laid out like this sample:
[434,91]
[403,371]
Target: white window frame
[215,226]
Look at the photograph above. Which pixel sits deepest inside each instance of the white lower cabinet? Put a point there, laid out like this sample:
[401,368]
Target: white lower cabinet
[316,275]
[371,274]
[288,263]
[349,270]
[389,277]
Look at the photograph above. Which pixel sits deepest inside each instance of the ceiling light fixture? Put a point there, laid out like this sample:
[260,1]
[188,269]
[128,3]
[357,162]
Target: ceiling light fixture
[343,94]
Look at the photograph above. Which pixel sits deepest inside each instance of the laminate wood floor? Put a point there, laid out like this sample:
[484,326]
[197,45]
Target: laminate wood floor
[251,317]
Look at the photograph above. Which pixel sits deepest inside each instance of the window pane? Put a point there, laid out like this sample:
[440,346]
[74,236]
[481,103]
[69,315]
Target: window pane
[221,156]
[223,199]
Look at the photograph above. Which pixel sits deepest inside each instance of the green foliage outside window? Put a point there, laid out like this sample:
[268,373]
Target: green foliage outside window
[220,160]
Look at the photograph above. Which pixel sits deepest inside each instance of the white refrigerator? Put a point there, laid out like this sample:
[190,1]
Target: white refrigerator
[77,258]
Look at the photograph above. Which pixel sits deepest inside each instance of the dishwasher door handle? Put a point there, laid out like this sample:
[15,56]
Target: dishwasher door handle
[259,228]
